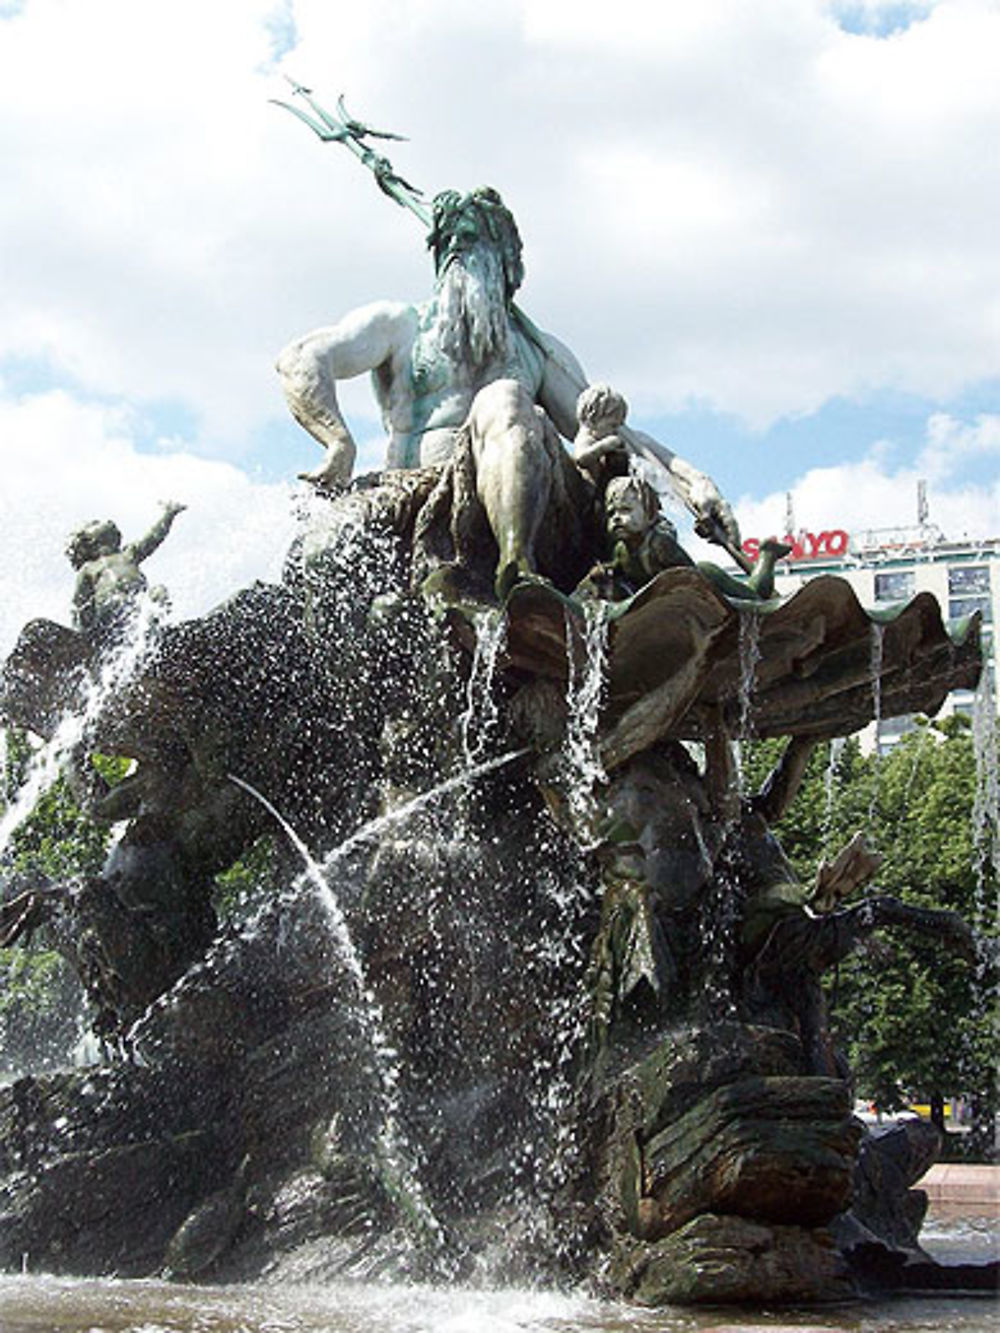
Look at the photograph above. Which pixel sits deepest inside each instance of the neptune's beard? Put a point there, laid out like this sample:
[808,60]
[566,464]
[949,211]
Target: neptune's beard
[472,321]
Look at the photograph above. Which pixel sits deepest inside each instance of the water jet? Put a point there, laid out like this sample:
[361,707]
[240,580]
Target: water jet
[560,1016]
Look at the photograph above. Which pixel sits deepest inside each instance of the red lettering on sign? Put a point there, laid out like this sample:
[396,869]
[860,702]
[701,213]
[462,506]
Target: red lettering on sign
[806,545]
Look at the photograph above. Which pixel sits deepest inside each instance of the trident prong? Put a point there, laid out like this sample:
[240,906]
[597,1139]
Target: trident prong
[327,135]
[352,133]
[359,129]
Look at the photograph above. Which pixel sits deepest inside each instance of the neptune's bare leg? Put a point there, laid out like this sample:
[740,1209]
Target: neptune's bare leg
[513,474]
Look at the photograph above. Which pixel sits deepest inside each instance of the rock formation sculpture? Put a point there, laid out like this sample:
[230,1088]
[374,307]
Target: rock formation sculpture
[568,1008]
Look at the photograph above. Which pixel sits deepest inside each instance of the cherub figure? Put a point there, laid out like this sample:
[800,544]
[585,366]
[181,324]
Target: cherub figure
[109,583]
[598,448]
[643,542]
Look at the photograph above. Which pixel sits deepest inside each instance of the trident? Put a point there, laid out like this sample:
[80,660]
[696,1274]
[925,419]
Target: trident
[343,128]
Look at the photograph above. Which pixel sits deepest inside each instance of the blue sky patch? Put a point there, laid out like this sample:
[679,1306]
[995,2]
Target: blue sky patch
[879,20]
[151,424]
[281,31]
[747,462]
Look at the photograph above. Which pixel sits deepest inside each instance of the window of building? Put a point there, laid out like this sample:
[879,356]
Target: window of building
[892,728]
[964,580]
[965,606]
[894,586]
[890,731]
[886,745]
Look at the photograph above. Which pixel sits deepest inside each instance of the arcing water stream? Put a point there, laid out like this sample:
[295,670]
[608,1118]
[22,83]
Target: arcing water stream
[397,1167]
[397,1160]
[374,827]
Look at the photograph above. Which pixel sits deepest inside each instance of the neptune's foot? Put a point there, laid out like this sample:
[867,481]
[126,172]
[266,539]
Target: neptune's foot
[513,576]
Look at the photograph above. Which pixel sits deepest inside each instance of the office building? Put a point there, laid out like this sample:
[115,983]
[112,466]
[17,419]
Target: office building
[893,565]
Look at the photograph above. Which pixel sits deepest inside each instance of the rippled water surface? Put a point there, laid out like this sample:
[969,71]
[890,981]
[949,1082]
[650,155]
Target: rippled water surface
[38,1304]
[32,1304]
[961,1240]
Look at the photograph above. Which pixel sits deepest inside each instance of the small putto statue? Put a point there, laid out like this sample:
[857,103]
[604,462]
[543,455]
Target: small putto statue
[109,583]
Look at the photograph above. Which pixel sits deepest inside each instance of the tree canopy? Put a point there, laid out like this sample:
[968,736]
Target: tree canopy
[916,1022]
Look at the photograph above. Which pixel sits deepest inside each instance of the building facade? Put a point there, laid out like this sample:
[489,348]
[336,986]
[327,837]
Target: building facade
[892,565]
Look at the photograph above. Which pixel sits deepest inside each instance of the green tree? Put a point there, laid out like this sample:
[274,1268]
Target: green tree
[40,998]
[917,1023]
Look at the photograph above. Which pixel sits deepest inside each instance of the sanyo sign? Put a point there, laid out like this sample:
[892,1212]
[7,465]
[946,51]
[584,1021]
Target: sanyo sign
[807,545]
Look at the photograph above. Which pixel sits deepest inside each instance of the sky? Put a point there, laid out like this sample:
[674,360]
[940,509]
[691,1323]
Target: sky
[771,226]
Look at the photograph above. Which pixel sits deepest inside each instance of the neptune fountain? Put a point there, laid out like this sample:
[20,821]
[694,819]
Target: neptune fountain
[533,991]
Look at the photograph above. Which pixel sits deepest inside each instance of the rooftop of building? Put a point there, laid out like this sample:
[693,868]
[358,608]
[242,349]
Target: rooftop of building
[883,547]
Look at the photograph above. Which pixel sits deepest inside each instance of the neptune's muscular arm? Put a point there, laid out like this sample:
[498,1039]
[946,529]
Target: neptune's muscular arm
[563,381]
[374,338]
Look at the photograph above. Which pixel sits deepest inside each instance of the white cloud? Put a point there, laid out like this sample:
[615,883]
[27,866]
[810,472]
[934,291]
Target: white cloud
[66,462]
[951,443]
[741,205]
[873,493]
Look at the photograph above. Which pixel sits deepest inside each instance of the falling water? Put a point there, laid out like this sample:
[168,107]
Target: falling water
[559,959]
[985,984]
[719,918]
[875,661]
[4,767]
[398,1159]
[916,763]
[876,653]
[45,766]
[584,693]
[116,670]
[481,715]
[749,657]
[986,806]
[986,825]
[718,927]
[829,789]
[561,952]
